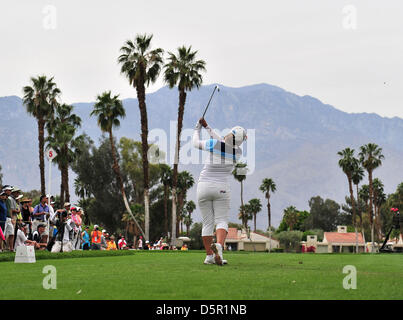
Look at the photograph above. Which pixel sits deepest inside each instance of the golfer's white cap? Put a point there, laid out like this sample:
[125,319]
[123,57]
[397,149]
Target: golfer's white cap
[103,231]
[240,134]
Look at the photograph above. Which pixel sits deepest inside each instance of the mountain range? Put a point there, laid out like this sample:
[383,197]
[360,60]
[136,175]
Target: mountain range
[295,141]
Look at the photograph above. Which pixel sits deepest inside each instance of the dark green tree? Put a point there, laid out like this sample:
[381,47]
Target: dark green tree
[195,235]
[96,175]
[185,182]
[62,138]
[324,214]
[291,217]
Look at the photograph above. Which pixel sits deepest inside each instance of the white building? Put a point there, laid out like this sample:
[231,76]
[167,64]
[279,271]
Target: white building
[340,241]
[237,240]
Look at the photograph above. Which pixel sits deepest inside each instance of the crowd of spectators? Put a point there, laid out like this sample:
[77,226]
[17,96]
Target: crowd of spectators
[56,230]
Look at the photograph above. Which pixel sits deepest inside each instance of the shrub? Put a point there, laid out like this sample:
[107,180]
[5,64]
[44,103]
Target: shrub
[290,240]
[311,249]
[196,242]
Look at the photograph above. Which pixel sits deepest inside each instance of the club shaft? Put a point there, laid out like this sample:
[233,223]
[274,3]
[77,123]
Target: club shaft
[205,110]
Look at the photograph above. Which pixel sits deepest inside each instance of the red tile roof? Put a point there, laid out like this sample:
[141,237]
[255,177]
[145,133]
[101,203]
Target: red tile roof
[232,233]
[349,237]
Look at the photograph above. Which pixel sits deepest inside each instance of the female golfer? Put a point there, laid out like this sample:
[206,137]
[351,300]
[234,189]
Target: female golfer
[213,190]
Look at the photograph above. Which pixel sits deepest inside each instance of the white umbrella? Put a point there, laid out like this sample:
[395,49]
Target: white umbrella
[184,238]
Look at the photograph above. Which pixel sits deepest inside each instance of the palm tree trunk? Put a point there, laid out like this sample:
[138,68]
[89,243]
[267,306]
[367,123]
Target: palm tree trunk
[166,208]
[41,139]
[269,215]
[360,213]
[141,96]
[268,208]
[66,176]
[173,224]
[147,213]
[242,194]
[180,198]
[350,185]
[116,169]
[254,222]
[61,187]
[66,182]
[181,111]
[371,218]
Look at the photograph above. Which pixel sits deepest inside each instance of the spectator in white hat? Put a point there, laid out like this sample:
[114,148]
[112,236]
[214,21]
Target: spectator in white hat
[104,245]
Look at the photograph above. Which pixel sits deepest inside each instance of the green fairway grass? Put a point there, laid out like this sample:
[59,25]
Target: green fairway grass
[182,275]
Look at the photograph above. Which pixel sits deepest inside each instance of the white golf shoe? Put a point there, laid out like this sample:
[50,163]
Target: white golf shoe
[217,249]
[209,259]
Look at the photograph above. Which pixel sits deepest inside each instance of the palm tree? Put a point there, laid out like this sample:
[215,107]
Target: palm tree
[255,208]
[61,137]
[267,186]
[182,70]
[364,194]
[131,225]
[185,182]
[348,163]
[187,220]
[80,189]
[166,180]
[245,214]
[239,174]
[379,199]
[290,216]
[141,66]
[371,158]
[109,109]
[40,101]
[190,207]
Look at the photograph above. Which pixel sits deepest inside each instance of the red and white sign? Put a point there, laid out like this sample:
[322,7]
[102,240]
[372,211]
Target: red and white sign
[51,154]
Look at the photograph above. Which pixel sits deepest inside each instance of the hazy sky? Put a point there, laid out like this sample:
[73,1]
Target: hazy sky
[345,53]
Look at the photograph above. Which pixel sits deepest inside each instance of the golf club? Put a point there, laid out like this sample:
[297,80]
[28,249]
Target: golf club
[205,110]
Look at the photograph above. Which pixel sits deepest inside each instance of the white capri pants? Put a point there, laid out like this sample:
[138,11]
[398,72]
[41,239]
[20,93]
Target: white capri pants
[67,246]
[214,204]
